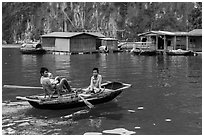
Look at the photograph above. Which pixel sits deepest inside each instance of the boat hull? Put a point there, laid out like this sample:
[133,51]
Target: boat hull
[33,51]
[74,104]
[181,54]
[111,91]
[147,53]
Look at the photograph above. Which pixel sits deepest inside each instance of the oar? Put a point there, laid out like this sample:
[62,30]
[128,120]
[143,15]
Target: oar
[26,87]
[86,102]
[29,87]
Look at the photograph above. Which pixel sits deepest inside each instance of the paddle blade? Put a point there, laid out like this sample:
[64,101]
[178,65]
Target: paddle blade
[86,102]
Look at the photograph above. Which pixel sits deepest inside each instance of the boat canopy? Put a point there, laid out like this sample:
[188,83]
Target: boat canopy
[32,45]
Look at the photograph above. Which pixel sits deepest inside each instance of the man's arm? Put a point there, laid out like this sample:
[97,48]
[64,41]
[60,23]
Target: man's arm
[91,84]
[100,81]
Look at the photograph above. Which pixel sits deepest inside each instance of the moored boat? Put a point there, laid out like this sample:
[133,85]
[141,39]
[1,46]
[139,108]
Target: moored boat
[144,52]
[32,48]
[73,100]
[103,49]
[180,52]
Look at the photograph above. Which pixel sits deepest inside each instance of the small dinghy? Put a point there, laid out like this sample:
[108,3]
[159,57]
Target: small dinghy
[73,100]
[180,52]
[32,48]
[144,52]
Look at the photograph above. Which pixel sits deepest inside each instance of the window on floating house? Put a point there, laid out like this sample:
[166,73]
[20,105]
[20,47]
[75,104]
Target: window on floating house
[144,39]
[192,40]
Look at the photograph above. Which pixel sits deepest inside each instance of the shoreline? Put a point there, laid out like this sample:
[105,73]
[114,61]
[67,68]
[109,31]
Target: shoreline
[11,45]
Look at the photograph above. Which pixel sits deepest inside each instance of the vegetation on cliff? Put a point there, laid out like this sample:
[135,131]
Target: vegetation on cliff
[122,20]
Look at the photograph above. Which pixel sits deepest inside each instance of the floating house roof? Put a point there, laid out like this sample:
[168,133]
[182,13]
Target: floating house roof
[151,33]
[180,33]
[108,39]
[196,32]
[72,34]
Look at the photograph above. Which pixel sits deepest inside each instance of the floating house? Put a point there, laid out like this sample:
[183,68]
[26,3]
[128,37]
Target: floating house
[165,40]
[195,40]
[110,43]
[71,41]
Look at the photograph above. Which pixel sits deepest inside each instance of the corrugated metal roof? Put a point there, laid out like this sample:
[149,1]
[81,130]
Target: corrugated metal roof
[98,34]
[195,32]
[72,34]
[157,32]
[108,38]
[164,32]
[180,33]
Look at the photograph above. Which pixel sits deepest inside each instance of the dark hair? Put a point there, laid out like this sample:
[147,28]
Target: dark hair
[96,69]
[42,70]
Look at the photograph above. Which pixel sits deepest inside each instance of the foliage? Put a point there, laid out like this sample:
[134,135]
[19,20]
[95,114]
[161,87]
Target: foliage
[195,18]
[122,20]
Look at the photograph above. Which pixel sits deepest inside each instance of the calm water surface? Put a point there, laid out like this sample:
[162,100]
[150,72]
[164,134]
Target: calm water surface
[167,87]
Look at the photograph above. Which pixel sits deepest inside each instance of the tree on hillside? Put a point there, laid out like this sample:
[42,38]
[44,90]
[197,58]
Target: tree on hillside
[195,19]
[122,20]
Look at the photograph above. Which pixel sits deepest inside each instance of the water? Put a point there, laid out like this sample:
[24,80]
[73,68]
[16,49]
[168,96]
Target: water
[167,87]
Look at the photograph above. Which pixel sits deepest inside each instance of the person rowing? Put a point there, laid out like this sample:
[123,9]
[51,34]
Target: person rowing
[51,85]
[95,84]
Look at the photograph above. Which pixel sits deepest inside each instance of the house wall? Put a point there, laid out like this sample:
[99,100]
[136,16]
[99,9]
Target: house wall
[82,43]
[180,42]
[62,44]
[195,43]
[111,44]
[48,43]
[98,43]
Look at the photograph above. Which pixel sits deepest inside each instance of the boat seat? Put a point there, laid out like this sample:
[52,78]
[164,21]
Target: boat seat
[85,95]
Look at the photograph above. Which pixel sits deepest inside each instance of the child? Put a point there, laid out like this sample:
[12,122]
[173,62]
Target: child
[95,84]
[50,85]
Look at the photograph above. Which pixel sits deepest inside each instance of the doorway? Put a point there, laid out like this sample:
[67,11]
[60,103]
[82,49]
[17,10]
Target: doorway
[160,43]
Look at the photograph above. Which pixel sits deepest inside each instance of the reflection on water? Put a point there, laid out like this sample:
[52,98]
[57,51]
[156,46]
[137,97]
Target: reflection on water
[167,87]
[96,123]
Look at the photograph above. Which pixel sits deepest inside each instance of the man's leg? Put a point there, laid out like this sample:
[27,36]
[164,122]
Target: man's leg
[64,82]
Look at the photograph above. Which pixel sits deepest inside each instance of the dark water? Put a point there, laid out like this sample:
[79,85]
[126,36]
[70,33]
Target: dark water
[167,87]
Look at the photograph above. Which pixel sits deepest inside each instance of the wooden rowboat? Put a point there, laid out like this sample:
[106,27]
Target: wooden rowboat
[73,100]
[180,52]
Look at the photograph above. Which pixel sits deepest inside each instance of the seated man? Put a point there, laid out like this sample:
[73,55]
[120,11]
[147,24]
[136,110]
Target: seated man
[50,85]
[95,85]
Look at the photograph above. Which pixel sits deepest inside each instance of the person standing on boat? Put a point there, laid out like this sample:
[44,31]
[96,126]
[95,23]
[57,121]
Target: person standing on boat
[95,84]
[51,85]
